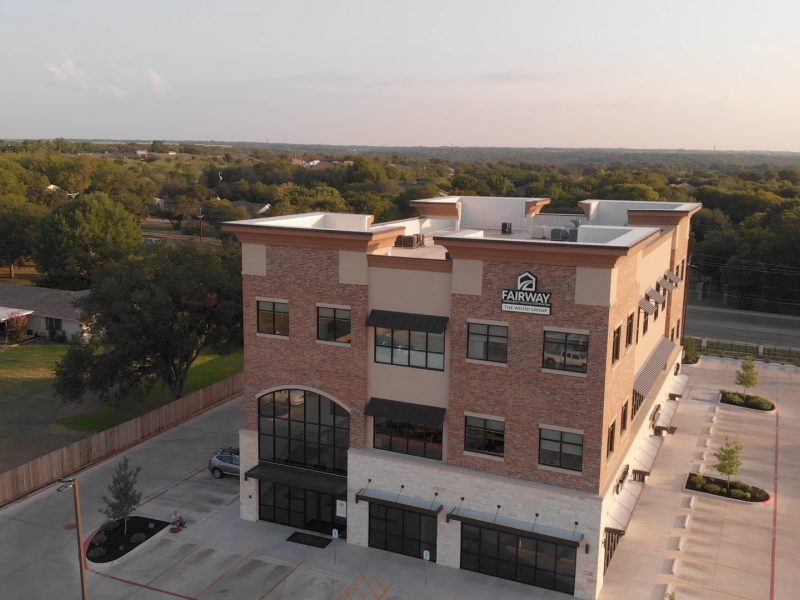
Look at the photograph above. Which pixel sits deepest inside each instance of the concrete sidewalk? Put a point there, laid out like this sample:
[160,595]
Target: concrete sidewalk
[704,547]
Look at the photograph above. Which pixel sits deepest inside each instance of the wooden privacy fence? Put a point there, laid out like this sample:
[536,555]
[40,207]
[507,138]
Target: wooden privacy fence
[47,469]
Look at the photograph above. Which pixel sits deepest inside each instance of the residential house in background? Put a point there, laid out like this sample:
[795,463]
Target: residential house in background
[51,312]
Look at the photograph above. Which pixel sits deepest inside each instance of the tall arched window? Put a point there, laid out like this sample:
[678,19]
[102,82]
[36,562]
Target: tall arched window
[303,429]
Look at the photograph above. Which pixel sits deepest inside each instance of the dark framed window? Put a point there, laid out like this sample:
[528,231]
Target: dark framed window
[401,531]
[273,318]
[486,436]
[638,400]
[303,429]
[565,351]
[487,342]
[518,557]
[561,449]
[418,349]
[407,438]
[629,331]
[678,329]
[623,419]
[612,432]
[52,324]
[616,344]
[299,507]
[644,321]
[333,324]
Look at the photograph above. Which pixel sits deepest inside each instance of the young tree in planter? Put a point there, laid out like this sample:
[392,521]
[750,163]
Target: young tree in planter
[747,376]
[730,460]
[124,495]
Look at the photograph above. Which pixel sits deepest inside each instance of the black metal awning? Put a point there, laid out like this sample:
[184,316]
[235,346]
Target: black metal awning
[420,505]
[667,285]
[407,321]
[655,296]
[419,414]
[516,526]
[647,307]
[317,481]
[655,363]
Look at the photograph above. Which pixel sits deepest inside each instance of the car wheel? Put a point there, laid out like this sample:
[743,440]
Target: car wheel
[550,362]
[217,473]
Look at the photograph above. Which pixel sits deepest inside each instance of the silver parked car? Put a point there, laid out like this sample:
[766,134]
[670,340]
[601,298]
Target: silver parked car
[224,462]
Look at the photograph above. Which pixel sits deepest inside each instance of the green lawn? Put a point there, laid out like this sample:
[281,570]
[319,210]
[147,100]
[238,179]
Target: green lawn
[22,276]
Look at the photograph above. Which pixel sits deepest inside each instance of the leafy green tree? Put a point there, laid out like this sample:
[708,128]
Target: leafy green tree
[729,460]
[80,236]
[216,211]
[124,497]
[19,220]
[158,146]
[179,208]
[747,375]
[151,317]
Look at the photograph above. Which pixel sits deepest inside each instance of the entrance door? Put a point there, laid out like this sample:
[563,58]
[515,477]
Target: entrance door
[299,507]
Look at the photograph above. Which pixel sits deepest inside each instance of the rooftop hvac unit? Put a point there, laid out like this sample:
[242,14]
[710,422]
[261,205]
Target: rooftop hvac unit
[506,227]
[573,235]
[558,234]
[538,232]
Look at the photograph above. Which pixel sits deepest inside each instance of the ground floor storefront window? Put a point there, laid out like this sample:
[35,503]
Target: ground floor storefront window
[402,531]
[299,507]
[518,557]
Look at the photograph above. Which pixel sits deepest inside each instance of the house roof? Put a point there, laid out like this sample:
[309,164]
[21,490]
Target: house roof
[44,302]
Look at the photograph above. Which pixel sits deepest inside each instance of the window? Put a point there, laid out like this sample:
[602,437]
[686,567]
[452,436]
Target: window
[518,557]
[638,400]
[409,348]
[484,435]
[487,342]
[629,331]
[623,420]
[615,345]
[565,351]
[303,429]
[273,318]
[561,449]
[678,329]
[402,531]
[612,430]
[333,324]
[407,438]
[644,321]
[672,335]
[52,324]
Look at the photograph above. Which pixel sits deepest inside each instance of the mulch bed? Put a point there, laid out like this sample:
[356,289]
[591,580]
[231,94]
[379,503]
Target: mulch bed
[111,541]
[746,401]
[718,487]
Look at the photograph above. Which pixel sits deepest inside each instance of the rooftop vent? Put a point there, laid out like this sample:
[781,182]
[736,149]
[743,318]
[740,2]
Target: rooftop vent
[506,227]
[559,235]
[409,241]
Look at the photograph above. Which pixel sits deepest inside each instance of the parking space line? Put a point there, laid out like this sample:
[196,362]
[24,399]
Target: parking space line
[142,585]
[283,579]
[177,562]
[226,573]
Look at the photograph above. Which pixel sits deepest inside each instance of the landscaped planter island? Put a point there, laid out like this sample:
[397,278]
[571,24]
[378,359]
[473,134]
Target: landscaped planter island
[745,400]
[112,540]
[719,487]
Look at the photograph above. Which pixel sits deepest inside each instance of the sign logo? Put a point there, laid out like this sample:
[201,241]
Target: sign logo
[525,298]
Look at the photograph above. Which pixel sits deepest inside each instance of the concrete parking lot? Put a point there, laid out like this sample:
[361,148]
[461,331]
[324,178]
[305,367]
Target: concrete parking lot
[726,546]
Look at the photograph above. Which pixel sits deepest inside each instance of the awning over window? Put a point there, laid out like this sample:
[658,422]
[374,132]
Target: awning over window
[667,285]
[655,296]
[647,307]
[517,526]
[672,277]
[419,414]
[317,481]
[426,507]
[655,363]
[407,321]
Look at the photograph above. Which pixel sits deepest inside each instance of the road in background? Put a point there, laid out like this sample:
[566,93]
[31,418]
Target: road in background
[743,326]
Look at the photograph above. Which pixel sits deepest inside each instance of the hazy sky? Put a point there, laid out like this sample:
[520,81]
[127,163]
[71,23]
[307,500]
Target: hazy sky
[666,74]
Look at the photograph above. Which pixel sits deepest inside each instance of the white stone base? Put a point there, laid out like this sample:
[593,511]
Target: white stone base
[248,490]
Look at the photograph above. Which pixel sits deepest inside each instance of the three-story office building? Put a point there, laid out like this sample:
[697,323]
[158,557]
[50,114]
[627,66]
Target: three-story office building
[474,386]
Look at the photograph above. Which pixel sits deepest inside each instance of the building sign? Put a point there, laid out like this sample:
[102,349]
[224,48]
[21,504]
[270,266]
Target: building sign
[341,509]
[525,298]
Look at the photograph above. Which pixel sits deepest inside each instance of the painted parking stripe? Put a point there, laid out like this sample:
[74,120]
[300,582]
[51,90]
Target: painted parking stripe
[283,579]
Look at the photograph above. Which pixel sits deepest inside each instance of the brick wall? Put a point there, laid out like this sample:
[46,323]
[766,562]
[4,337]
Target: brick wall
[306,276]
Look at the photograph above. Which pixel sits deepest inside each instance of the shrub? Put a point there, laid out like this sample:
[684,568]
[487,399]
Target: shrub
[698,481]
[712,488]
[151,525]
[759,403]
[738,485]
[96,552]
[109,526]
[740,494]
[734,398]
[100,539]
[138,538]
[691,353]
